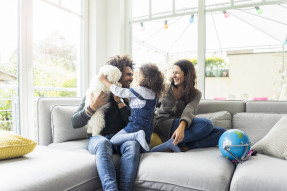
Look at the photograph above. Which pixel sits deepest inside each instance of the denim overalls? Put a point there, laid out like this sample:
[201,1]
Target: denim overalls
[142,118]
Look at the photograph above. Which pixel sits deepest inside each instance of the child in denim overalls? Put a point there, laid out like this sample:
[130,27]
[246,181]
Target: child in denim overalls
[142,101]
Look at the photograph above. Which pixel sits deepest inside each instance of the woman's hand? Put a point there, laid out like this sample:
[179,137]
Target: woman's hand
[178,134]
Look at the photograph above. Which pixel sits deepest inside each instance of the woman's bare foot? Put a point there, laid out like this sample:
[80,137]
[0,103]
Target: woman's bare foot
[169,151]
[183,148]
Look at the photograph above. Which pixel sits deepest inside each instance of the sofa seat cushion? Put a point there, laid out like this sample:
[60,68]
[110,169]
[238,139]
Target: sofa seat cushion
[198,169]
[260,172]
[78,145]
[49,169]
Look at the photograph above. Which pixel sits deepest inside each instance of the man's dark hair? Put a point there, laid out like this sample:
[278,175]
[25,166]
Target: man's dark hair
[121,62]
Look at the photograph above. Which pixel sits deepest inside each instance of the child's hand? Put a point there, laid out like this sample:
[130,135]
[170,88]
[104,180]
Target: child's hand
[105,81]
[103,78]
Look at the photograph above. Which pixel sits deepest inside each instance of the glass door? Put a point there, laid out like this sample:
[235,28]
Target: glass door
[9,66]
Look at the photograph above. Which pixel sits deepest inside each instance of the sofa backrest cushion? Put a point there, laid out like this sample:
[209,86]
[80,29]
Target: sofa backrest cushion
[61,124]
[219,119]
[44,105]
[279,107]
[209,106]
[275,141]
[256,125]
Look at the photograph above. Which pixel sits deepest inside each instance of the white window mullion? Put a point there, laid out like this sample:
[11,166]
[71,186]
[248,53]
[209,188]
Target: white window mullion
[201,44]
[26,68]
[83,68]
[127,27]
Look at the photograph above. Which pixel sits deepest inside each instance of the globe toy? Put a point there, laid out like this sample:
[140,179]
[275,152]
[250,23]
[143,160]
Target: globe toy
[234,144]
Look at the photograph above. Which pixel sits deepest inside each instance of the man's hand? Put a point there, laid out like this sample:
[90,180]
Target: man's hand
[116,98]
[97,102]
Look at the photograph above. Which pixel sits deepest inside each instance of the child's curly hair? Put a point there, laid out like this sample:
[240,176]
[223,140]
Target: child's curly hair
[153,79]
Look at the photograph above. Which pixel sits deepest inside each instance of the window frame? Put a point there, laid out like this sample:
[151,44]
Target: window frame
[25,65]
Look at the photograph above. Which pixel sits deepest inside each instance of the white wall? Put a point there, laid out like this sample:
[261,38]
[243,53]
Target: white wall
[97,35]
[255,75]
[118,32]
[109,32]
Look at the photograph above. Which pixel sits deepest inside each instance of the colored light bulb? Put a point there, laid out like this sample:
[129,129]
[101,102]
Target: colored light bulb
[191,20]
[165,24]
[142,27]
[259,11]
[226,15]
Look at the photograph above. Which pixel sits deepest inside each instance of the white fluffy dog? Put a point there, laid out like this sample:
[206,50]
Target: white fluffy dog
[97,121]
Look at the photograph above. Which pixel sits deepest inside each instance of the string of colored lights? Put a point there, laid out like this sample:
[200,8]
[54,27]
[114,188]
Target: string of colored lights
[226,15]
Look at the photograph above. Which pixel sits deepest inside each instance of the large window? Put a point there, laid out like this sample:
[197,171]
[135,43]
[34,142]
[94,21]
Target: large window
[245,49]
[250,43]
[8,65]
[40,52]
[56,47]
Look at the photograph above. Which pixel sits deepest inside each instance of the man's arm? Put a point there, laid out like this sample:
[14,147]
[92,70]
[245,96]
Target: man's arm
[80,118]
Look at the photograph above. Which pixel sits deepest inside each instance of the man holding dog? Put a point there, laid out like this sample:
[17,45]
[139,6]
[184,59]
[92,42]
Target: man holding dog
[116,118]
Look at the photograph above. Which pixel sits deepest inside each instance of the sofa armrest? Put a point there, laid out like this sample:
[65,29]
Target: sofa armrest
[44,115]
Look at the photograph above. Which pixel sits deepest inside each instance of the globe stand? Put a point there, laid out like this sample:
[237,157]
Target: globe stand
[240,160]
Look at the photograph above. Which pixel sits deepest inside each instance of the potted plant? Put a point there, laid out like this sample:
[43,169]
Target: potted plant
[214,67]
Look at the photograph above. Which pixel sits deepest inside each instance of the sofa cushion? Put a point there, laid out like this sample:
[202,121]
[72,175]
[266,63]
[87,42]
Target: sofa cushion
[219,119]
[76,145]
[61,123]
[44,105]
[198,169]
[154,140]
[275,142]
[279,107]
[260,172]
[80,146]
[208,106]
[50,169]
[256,125]
[13,145]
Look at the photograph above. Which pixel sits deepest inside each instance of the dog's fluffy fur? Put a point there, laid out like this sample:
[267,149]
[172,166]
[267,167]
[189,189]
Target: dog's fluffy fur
[97,121]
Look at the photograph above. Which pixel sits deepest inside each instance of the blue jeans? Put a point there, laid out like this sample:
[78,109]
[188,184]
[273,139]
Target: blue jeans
[127,167]
[200,134]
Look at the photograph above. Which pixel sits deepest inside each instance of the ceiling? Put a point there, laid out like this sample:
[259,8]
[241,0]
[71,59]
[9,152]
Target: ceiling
[243,29]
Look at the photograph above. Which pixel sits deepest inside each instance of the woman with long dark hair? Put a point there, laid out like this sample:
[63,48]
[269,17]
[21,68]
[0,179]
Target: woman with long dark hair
[175,123]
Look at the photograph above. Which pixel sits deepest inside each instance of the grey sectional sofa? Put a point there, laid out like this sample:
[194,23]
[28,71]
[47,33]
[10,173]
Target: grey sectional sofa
[61,161]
